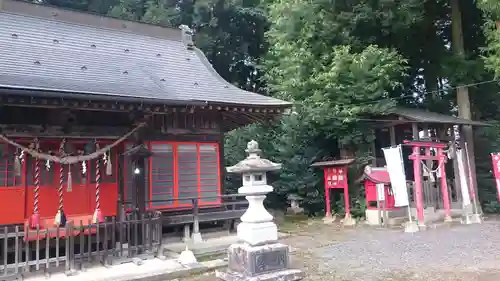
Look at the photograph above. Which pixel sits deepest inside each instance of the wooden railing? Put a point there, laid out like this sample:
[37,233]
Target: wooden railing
[77,245]
[228,207]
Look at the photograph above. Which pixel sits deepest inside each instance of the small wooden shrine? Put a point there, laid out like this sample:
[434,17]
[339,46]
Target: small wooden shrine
[335,177]
[378,195]
[99,112]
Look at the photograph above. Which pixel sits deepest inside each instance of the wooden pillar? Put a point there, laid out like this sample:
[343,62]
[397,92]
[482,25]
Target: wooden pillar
[222,161]
[328,211]
[374,148]
[430,194]
[347,204]
[415,132]
[417,172]
[139,198]
[140,186]
[120,208]
[417,175]
[392,134]
[444,185]
[425,129]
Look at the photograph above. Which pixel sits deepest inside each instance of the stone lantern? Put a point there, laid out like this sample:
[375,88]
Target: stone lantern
[258,255]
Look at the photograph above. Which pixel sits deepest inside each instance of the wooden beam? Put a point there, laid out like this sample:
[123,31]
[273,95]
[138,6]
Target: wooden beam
[117,106]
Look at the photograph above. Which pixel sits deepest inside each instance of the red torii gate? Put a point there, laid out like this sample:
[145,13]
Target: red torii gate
[417,157]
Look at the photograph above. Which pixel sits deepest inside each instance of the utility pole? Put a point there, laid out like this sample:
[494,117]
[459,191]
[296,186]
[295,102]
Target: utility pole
[463,100]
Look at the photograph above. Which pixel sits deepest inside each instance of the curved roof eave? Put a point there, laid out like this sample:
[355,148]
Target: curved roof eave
[216,75]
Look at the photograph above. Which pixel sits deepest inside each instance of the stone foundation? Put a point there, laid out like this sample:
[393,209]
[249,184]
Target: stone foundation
[265,262]
[284,275]
[372,216]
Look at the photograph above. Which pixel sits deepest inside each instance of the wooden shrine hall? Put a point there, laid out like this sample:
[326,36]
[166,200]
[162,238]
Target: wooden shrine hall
[409,126]
[101,116]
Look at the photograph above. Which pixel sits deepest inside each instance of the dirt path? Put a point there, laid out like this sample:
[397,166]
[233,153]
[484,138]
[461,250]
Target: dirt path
[446,253]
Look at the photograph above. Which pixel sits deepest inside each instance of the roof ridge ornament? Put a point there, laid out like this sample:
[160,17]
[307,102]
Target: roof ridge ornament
[187,36]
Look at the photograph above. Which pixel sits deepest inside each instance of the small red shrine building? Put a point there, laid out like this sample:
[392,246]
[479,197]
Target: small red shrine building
[87,79]
[375,205]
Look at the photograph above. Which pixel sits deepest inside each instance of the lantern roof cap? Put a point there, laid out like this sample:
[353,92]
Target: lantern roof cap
[138,151]
[253,162]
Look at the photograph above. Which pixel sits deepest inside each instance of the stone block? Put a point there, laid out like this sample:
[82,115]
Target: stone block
[348,221]
[476,218]
[411,227]
[471,219]
[196,237]
[329,219]
[257,233]
[137,261]
[263,262]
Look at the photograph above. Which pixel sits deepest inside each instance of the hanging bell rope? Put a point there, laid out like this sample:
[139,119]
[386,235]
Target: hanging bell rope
[60,218]
[98,217]
[35,217]
[67,159]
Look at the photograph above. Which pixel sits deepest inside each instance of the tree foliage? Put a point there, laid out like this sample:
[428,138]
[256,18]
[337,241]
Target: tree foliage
[331,83]
[337,61]
[491,10]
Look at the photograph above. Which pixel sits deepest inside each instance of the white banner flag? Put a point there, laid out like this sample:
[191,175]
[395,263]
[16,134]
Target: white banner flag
[464,186]
[395,168]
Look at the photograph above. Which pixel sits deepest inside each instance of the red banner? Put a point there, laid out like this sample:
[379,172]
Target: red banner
[495,157]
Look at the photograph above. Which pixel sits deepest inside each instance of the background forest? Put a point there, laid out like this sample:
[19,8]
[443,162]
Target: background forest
[338,60]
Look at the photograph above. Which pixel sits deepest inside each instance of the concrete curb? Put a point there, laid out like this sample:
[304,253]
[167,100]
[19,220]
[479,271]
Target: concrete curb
[184,272]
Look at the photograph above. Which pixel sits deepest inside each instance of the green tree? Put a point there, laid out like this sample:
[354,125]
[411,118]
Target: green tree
[316,60]
[491,9]
[338,60]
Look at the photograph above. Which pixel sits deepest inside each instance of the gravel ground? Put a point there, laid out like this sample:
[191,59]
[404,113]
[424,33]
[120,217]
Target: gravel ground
[445,253]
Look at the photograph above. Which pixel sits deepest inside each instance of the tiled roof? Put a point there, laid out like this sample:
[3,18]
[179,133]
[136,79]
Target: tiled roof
[50,54]
[425,116]
[331,163]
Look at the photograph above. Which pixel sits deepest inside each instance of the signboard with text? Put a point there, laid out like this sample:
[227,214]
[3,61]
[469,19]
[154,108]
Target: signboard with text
[335,177]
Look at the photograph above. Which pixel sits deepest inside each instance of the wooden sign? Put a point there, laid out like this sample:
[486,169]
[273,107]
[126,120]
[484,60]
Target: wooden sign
[336,177]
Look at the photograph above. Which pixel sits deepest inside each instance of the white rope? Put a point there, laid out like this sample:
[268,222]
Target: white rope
[440,162]
[71,159]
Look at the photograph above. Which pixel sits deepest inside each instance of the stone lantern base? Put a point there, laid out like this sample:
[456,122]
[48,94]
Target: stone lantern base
[259,263]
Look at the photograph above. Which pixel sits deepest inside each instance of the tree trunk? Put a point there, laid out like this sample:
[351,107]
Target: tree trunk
[463,101]
[430,73]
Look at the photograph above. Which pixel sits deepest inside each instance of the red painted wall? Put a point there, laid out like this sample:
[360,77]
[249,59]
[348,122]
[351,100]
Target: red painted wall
[16,202]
